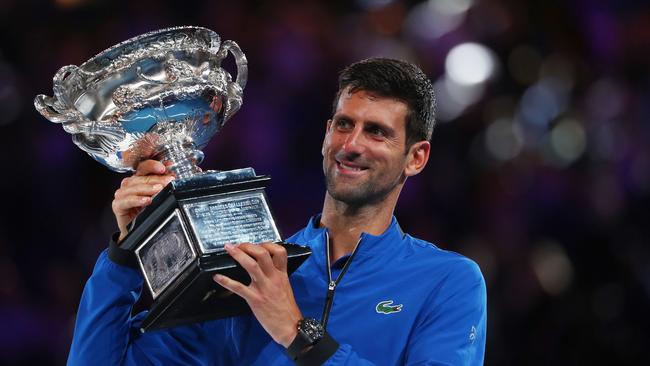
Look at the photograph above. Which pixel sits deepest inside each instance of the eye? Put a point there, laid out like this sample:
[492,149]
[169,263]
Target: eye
[342,124]
[376,131]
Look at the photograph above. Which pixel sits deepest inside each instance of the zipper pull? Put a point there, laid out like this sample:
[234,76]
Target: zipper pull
[331,287]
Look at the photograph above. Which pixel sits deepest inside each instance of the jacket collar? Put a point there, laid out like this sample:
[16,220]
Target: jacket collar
[370,245]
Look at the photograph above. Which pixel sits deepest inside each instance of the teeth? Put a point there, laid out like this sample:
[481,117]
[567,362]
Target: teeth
[347,167]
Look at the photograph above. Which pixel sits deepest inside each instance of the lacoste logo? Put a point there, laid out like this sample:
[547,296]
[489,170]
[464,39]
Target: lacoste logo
[387,307]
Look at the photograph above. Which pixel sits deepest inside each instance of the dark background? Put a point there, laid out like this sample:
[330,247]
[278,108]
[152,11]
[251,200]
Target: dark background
[540,173]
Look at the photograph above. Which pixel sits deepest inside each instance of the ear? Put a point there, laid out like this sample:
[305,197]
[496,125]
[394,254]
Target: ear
[417,158]
[328,126]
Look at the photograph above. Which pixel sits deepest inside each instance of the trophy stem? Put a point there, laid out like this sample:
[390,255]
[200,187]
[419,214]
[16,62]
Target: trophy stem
[182,158]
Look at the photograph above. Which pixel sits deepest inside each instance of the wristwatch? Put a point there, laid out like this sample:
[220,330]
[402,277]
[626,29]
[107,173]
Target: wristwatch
[310,332]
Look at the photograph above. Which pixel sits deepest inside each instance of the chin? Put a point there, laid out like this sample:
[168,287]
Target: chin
[354,196]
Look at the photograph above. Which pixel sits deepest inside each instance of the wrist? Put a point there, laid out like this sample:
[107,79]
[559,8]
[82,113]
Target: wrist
[291,330]
[291,335]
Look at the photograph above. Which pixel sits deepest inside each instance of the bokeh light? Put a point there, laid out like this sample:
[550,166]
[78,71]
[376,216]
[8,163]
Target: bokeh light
[552,267]
[430,20]
[503,139]
[567,140]
[470,64]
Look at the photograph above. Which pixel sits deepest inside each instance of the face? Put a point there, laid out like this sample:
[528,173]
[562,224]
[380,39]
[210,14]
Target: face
[364,150]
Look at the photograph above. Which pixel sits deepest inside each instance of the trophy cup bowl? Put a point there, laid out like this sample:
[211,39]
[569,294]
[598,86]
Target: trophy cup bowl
[163,95]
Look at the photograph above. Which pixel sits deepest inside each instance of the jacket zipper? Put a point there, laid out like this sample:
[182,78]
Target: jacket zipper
[331,286]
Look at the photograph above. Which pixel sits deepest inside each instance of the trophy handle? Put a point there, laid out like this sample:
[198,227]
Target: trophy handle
[88,135]
[236,88]
[59,109]
[240,60]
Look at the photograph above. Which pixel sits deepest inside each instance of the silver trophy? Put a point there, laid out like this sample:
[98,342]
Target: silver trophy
[163,95]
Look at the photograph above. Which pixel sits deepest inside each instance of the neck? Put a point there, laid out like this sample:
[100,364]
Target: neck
[345,222]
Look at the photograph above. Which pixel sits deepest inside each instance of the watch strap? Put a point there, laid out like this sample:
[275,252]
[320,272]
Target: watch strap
[296,347]
[303,339]
[319,353]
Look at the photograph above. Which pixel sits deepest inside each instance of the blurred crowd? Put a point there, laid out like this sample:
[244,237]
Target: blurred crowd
[540,166]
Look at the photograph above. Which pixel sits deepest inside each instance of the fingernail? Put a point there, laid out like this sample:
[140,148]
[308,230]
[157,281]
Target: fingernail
[217,277]
[228,246]
[144,199]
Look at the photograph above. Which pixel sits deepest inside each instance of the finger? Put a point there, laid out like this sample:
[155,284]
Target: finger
[278,255]
[148,167]
[139,190]
[122,206]
[247,262]
[261,256]
[233,286]
[147,179]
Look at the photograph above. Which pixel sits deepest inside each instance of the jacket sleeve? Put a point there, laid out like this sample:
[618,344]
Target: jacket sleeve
[105,333]
[104,323]
[450,332]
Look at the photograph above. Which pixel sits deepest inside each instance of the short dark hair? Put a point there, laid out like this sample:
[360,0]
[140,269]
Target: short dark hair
[395,79]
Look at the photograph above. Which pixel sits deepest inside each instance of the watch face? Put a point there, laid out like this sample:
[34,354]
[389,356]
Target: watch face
[312,328]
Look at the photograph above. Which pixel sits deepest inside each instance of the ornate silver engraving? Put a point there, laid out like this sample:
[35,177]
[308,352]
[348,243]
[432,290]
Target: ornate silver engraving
[160,95]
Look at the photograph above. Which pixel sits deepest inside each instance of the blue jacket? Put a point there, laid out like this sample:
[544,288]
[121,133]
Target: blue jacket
[437,316]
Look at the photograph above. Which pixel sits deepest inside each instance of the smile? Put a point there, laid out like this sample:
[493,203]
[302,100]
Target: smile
[349,168]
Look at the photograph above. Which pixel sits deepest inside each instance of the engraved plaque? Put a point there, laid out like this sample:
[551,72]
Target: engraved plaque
[165,254]
[231,218]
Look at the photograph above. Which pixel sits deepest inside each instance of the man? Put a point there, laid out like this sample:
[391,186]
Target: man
[369,294]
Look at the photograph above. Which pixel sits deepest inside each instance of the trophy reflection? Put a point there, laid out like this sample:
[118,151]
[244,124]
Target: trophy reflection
[163,95]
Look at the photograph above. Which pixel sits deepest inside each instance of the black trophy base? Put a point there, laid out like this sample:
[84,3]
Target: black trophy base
[198,298]
[178,243]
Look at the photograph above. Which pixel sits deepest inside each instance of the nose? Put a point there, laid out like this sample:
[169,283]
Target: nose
[354,141]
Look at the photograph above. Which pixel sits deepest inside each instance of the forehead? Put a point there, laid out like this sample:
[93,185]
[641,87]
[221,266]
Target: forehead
[367,106]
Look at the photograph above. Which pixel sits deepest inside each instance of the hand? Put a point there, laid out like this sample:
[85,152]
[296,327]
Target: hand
[136,192]
[269,294]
